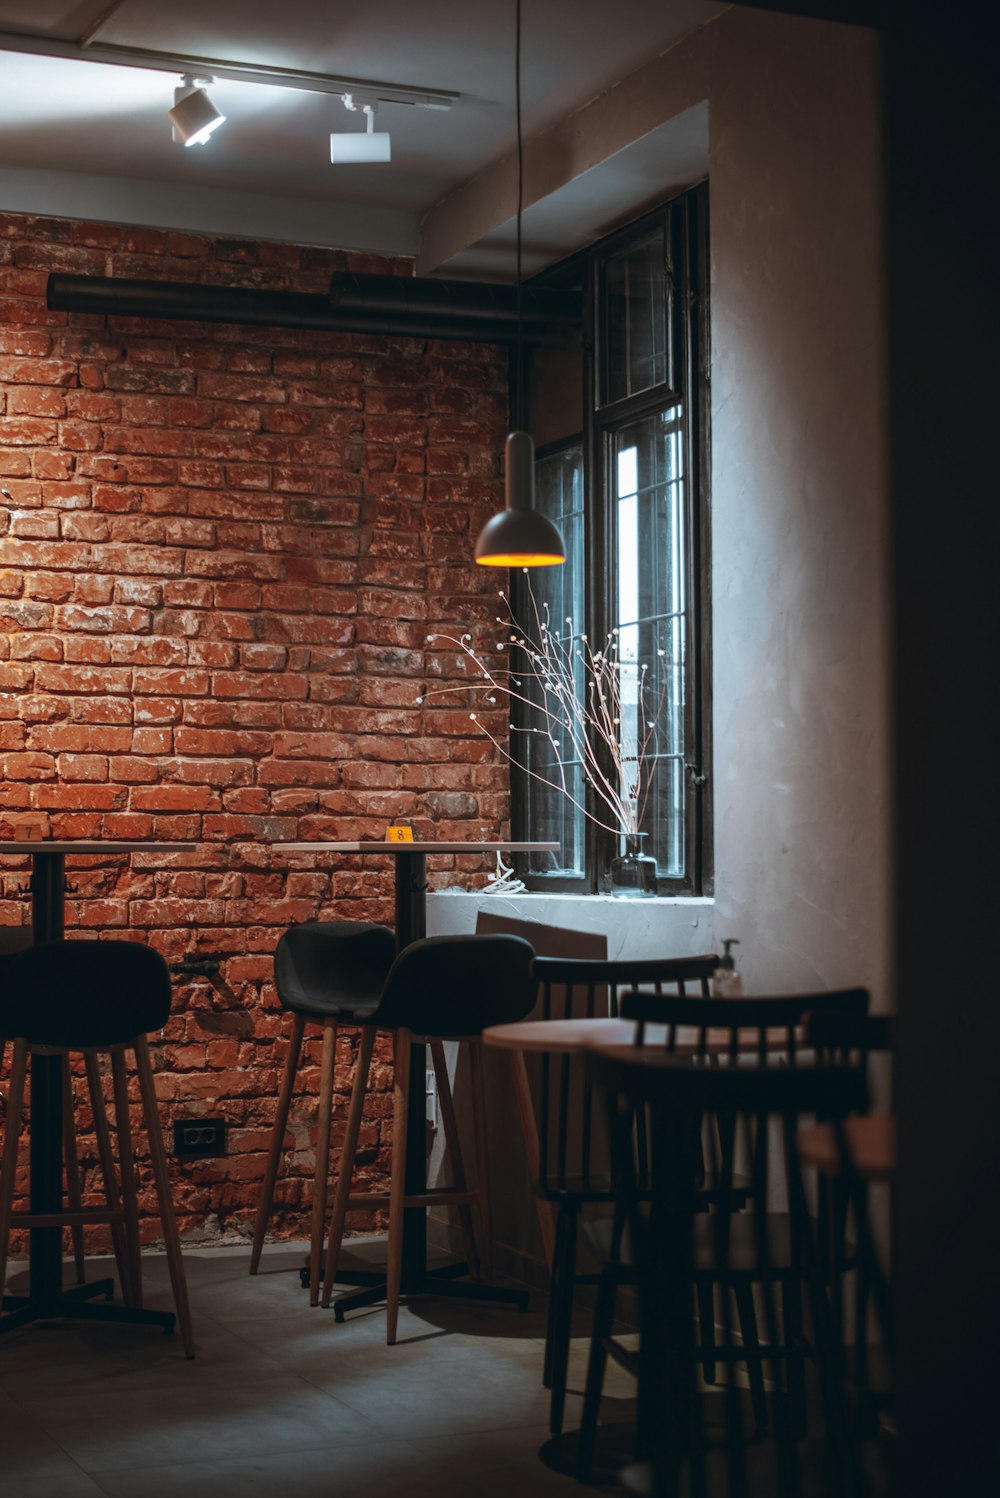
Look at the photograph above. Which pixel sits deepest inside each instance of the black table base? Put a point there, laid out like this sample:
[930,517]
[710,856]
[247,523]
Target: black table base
[76,1304]
[444,1284]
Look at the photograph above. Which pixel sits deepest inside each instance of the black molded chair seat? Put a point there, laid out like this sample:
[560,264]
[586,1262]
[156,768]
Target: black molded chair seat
[90,996]
[79,995]
[457,986]
[333,969]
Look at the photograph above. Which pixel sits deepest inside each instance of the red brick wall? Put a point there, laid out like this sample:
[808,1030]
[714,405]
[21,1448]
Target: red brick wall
[221,552]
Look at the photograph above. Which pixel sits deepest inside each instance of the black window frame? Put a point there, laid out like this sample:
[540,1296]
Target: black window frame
[683,220]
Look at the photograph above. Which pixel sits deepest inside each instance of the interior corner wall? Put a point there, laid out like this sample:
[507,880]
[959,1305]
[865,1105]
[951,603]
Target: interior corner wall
[799,549]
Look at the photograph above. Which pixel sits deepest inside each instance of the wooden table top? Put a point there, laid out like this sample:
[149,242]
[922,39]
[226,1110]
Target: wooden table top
[566,1036]
[870,1141]
[374,845]
[93,846]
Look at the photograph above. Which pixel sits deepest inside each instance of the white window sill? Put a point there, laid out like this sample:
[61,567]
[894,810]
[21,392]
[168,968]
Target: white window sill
[569,898]
[648,926]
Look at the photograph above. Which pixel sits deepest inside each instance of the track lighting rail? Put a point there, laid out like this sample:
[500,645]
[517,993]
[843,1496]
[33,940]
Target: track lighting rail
[239,72]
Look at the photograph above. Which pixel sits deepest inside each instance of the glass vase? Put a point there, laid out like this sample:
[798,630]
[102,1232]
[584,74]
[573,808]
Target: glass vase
[633,872]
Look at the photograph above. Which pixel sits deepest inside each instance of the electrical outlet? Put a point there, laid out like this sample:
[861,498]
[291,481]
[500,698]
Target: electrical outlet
[199,1136]
[431,1097]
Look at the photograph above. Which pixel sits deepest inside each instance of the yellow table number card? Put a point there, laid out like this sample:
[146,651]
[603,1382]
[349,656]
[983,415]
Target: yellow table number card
[399,834]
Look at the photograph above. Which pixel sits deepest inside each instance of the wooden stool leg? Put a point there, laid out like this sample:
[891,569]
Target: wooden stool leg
[104,1154]
[397,1186]
[71,1164]
[321,1174]
[482,1156]
[11,1140]
[126,1165]
[277,1140]
[345,1175]
[529,1129]
[168,1222]
[453,1144]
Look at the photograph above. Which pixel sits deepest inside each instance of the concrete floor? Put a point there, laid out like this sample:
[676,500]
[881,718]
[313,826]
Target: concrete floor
[280,1400]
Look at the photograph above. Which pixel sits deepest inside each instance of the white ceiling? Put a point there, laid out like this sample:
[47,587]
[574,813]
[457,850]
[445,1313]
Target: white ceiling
[76,133]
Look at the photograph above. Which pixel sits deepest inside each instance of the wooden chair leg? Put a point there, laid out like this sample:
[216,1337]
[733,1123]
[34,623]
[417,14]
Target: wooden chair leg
[347,1156]
[126,1166]
[482,1157]
[277,1140]
[791,1315]
[706,1328]
[105,1156]
[562,1331]
[321,1174]
[397,1187]
[11,1141]
[454,1147]
[71,1165]
[529,1130]
[746,1311]
[604,1315]
[161,1177]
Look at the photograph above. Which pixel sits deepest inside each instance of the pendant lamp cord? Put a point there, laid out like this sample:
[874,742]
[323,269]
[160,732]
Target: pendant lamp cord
[519,412]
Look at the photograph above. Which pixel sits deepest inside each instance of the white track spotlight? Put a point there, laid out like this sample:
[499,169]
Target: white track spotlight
[352,146]
[194,116]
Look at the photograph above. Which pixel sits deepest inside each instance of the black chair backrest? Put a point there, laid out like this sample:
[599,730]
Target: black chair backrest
[675,1095]
[738,1025]
[75,994]
[458,985]
[840,1036]
[345,960]
[572,1152]
[574,987]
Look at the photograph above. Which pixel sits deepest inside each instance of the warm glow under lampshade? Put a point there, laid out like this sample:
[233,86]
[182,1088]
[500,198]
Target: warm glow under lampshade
[519,536]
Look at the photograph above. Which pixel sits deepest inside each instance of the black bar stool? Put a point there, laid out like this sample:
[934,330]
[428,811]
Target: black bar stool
[439,988]
[95,998]
[326,973]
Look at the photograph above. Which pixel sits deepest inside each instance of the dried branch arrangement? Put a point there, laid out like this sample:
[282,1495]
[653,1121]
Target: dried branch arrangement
[587,728]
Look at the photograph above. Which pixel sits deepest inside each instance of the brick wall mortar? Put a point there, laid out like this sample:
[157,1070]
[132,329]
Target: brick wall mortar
[221,552]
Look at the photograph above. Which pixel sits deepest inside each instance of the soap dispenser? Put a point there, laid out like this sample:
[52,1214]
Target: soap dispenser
[726,981]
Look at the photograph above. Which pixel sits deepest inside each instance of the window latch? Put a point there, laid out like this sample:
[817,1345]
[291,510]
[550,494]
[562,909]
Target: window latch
[695,778]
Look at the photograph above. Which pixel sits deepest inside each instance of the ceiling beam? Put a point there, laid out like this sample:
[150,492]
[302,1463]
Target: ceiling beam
[216,67]
[657,92]
[850,12]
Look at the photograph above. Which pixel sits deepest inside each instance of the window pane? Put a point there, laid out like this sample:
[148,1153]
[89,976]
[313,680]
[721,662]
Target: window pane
[651,611]
[553,595]
[635,319]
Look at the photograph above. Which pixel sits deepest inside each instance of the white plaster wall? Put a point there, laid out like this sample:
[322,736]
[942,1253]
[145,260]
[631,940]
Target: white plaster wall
[799,503]
[799,602]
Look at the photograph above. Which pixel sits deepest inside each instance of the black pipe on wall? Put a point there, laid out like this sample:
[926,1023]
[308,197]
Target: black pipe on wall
[541,306]
[489,318]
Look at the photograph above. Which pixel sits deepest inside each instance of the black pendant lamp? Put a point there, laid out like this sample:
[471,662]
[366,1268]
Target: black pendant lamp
[519,536]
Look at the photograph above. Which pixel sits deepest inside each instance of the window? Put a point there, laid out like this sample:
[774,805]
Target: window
[622,471]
